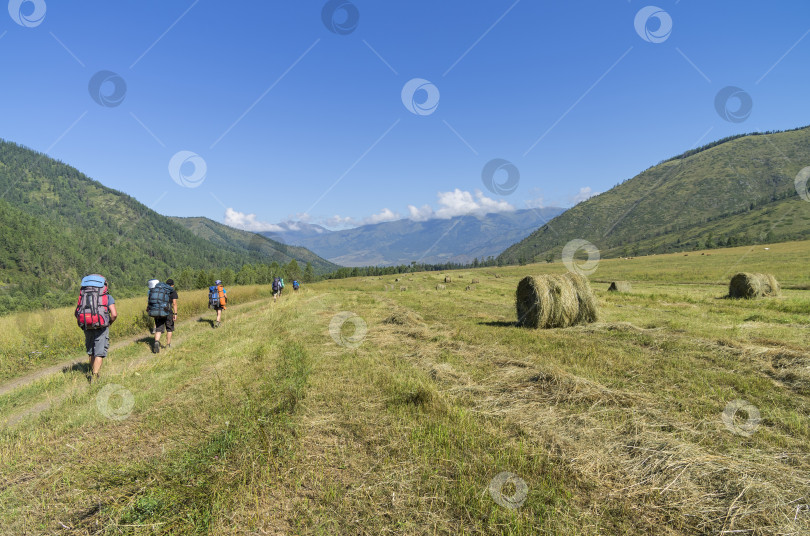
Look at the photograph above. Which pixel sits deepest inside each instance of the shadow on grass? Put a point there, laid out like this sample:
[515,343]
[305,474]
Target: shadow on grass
[79,366]
[499,324]
[206,321]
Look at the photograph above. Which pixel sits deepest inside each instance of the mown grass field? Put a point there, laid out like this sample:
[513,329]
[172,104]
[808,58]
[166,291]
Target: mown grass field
[400,417]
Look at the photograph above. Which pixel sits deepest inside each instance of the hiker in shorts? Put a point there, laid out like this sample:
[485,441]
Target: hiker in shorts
[217,301]
[276,288]
[166,323]
[95,313]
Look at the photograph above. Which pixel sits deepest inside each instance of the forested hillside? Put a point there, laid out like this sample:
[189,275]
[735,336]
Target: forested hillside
[734,191]
[58,224]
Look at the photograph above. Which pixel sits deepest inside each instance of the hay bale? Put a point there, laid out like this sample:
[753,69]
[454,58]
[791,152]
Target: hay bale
[497,276]
[403,289]
[620,286]
[750,285]
[474,281]
[439,286]
[555,301]
[468,287]
[448,279]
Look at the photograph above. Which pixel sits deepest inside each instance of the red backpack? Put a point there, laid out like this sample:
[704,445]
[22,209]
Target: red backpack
[93,309]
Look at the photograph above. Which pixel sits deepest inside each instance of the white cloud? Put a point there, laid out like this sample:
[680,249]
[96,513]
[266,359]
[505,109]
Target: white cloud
[420,214]
[385,215]
[459,203]
[584,194]
[339,221]
[248,222]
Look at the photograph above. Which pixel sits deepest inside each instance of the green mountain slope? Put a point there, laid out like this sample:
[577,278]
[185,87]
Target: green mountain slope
[254,243]
[735,191]
[58,224]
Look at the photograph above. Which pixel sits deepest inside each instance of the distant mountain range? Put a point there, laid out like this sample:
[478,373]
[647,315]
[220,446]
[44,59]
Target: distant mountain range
[57,224]
[735,191]
[460,239]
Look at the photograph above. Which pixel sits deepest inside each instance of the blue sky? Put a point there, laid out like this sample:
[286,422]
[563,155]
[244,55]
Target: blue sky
[290,119]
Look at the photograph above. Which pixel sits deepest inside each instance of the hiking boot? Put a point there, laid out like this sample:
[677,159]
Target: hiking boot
[218,324]
[168,346]
[156,347]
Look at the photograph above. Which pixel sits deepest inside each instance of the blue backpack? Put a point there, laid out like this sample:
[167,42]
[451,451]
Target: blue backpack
[276,285]
[295,285]
[213,296]
[159,300]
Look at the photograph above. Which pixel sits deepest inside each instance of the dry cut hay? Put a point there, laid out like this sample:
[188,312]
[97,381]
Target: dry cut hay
[555,301]
[448,279]
[404,317]
[750,285]
[620,286]
[474,281]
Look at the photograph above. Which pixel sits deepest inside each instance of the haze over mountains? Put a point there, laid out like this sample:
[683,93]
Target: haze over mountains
[460,239]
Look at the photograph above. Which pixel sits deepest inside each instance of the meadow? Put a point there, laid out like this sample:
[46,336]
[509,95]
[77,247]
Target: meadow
[375,406]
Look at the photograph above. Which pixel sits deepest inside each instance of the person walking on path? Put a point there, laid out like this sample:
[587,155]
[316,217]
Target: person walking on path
[276,288]
[166,323]
[95,313]
[217,299]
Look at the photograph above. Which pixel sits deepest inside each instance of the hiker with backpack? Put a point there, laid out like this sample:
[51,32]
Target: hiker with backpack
[296,285]
[95,313]
[162,306]
[217,299]
[276,288]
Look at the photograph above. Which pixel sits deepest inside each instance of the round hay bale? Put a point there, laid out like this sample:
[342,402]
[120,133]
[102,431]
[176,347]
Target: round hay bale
[620,286]
[751,285]
[439,286]
[555,301]
[403,289]
[448,279]
[468,287]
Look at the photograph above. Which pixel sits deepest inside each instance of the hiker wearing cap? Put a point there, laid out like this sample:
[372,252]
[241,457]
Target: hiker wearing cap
[165,306]
[217,300]
[95,312]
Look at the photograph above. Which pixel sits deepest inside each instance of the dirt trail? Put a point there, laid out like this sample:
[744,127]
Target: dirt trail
[43,405]
[31,377]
